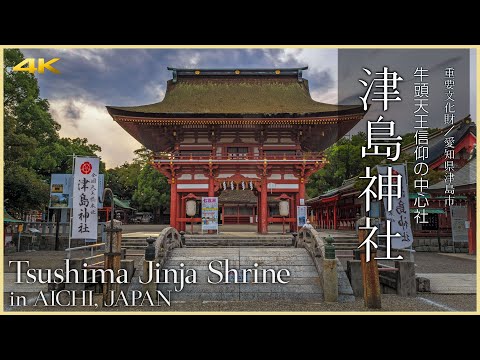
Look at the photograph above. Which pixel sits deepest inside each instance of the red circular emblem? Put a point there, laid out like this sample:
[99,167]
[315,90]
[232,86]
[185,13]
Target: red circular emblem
[86,168]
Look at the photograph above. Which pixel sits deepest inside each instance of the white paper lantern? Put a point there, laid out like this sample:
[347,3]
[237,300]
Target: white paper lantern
[283,208]
[191,207]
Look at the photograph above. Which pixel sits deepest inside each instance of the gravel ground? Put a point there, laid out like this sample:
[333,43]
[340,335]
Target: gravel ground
[437,263]
[426,262]
[389,303]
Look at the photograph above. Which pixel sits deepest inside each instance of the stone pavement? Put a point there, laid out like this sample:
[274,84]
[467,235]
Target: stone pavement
[304,282]
[451,283]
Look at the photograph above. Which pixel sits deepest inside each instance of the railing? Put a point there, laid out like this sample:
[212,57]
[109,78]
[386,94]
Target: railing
[86,247]
[167,240]
[248,156]
[310,239]
[49,230]
[332,275]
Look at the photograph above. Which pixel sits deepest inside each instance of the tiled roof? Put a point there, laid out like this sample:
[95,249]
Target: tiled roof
[229,93]
[467,175]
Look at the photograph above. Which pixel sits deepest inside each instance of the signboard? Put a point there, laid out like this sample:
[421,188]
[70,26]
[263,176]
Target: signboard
[209,213]
[399,215]
[459,217]
[302,201]
[85,198]
[61,190]
[374,209]
[301,215]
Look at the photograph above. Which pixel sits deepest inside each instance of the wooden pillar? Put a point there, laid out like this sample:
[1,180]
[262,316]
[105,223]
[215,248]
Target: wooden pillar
[173,203]
[371,284]
[264,207]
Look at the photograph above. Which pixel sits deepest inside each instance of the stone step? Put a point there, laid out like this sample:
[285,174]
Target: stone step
[268,296]
[239,242]
[243,288]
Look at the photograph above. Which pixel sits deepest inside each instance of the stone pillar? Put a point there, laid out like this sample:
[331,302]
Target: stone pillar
[149,264]
[406,283]
[330,280]
[354,272]
[112,258]
[264,207]
[173,202]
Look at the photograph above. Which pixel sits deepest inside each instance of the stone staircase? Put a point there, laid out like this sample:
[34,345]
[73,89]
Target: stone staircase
[345,244]
[134,243]
[304,284]
[227,240]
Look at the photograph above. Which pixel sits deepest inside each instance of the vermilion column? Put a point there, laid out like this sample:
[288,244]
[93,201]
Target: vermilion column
[179,211]
[328,218]
[211,187]
[259,213]
[301,190]
[335,216]
[183,213]
[211,193]
[264,206]
[293,213]
[173,202]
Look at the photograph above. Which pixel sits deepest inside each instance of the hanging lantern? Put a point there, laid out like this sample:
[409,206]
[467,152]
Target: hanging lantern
[283,208]
[191,207]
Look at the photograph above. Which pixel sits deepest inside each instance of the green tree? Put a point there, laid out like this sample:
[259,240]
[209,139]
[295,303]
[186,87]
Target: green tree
[33,149]
[344,161]
[153,190]
[123,179]
[141,182]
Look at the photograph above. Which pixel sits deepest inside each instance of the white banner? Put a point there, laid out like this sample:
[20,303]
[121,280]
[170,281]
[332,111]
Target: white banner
[399,215]
[209,213]
[85,198]
[458,216]
[301,215]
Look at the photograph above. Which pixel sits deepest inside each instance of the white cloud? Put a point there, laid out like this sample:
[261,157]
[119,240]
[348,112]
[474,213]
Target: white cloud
[155,91]
[318,61]
[95,124]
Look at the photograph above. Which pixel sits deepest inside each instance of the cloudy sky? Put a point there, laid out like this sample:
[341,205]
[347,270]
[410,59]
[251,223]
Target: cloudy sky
[90,79]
